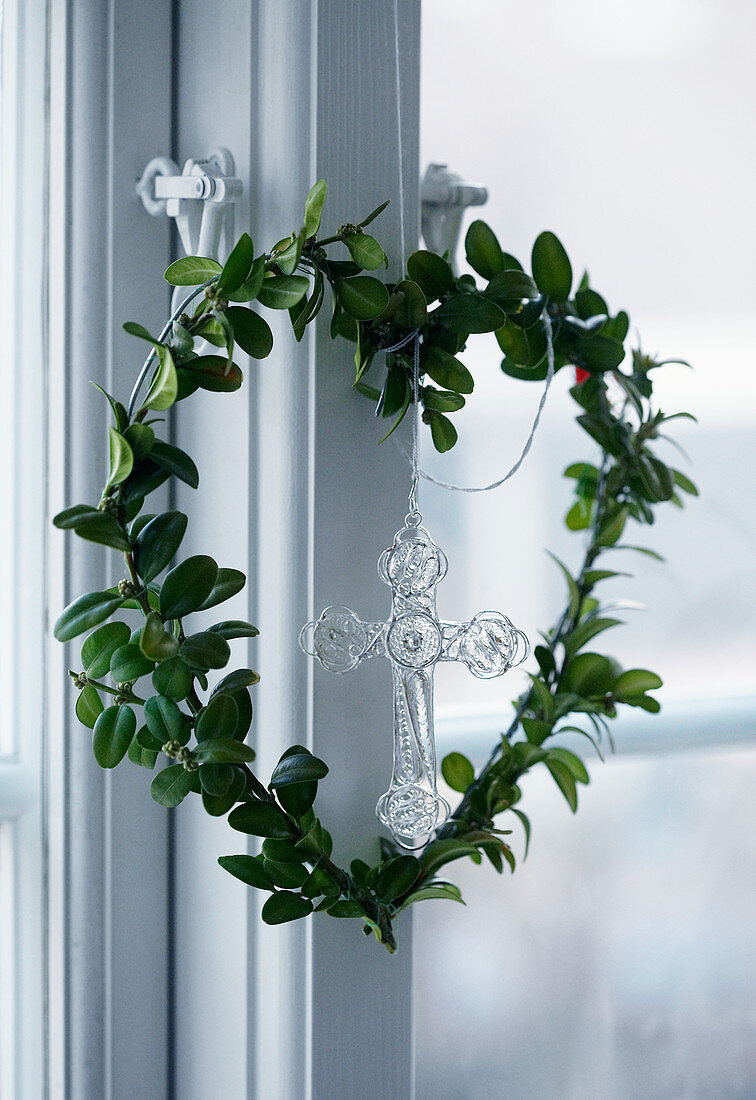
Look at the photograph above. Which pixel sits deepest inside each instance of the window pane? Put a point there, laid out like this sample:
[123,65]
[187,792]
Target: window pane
[625,129]
[618,962]
[621,954]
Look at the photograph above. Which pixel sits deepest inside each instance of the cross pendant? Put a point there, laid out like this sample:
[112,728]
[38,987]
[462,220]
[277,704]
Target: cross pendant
[414,639]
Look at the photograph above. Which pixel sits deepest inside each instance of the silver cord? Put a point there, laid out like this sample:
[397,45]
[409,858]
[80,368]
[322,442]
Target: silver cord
[166,329]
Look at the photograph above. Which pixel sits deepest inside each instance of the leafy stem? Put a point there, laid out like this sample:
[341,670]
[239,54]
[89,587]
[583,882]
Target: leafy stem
[203,732]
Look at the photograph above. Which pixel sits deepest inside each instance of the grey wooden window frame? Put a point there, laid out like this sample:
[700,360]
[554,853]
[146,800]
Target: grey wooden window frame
[162,982]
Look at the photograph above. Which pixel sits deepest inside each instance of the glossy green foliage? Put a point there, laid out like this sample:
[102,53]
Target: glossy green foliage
[143,651]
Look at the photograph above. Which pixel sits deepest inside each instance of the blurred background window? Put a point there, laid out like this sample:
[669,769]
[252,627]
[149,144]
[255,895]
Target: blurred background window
[23,506]
[621,960]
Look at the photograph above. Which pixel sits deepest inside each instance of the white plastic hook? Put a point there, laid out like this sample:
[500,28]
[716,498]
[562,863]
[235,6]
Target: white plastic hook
[201,198]
[445,197]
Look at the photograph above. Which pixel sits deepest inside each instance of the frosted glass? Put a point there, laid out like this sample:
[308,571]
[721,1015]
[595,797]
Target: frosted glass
[619,963]
[627,130]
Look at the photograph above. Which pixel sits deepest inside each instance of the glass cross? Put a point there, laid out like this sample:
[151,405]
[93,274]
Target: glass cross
[414,639]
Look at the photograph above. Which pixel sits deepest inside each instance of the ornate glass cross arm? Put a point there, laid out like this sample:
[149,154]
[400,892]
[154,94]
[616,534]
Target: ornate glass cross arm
[414,639]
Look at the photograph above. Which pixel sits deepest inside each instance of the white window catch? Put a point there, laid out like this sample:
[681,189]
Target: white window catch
[201,199]
[444,198]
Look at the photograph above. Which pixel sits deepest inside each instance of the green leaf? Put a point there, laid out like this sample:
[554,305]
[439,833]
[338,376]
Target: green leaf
[442,400]
[187,586]
[440,852]
[457,771]
[119,412]
[570,760]
[283,291]
[146,740]
[601,353]
[317,883]
[104,529]
[526,347]
[446,370]
[590,304]
[297,799]
[113,733]
[248,869]
[129,663]
[164,720]
[284,851]
[171,786]
[552,270]
[239,678]
[582,471]
[526,826]
[285,906]
[612,528]
[397,877]
[260,819]
[73,517]
[587,630]
[172,677]
[394,393]
[251,331]
[374,213]
[223,751]
[100,646]
[431,273]
[218,719]
[466,313]
[205,650]
[250,288]
[235,628]
[121,458]
[192,270]
[94,525]
[157,543]
[483,250]
[635,681]
[164,388]
[144,758]
[412,308]
[579,516]
[155,642]
[590,674]
[299,768]
[564,780]
[214,373]
[365,251]
[219,805]
[236,267]
[344,909]
[176,461]
[88,706]
[227,584]
[443,891]
[140,437]
[84,613]
[511,287]
[685,483]
[135,329]
[313,211]
[362,297]
[443,432]
[145,478]
[641,550]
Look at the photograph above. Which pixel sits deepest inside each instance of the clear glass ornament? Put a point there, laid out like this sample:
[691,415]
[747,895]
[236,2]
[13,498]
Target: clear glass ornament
[414,639]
